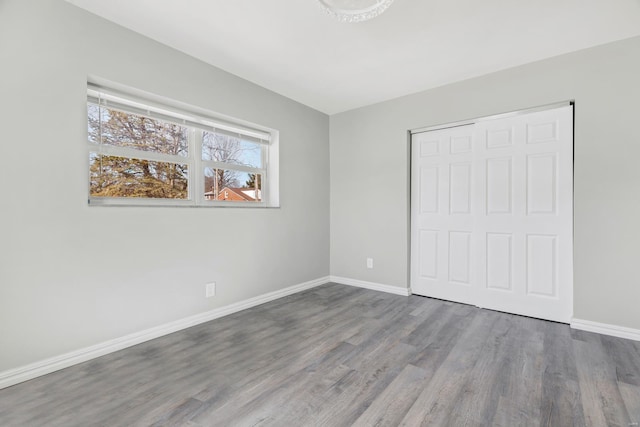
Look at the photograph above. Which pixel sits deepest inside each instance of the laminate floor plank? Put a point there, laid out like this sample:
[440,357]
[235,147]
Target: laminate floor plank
[390,407]
[259,387]
[180,414]
[517,388]
[351,398]
[438,333]
[428,325]
[501,364]
[601,399]
[625,356]
[272,403]
[509,414]
[561,400]
[337,356]
[440,395]
[631,396]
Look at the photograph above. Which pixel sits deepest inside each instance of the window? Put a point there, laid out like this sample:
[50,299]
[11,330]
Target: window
[143,152]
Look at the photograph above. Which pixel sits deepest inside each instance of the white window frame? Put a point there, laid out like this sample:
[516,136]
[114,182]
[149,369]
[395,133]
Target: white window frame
[197,121]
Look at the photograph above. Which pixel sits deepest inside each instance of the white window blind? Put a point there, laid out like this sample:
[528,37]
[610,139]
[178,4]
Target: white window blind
[117,100]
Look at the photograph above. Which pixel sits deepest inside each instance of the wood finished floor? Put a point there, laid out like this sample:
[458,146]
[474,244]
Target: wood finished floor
[342,356]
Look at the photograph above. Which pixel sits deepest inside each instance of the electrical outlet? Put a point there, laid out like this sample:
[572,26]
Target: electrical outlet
[369,262]
[210,290]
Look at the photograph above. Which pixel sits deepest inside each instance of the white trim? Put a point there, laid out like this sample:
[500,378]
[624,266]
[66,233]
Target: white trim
[43,367]
[606,329]
[371,285]
[492,117]
[230,166]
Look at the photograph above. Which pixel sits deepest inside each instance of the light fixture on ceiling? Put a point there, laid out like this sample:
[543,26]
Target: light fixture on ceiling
[351,11]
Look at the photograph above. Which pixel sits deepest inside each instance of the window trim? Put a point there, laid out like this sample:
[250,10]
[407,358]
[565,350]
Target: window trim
[197,121]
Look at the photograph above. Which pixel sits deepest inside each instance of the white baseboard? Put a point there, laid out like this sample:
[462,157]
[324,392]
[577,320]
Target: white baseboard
[43,367]
[371,285]
[606,329]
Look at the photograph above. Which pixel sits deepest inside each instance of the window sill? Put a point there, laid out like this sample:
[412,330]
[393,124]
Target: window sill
[167,203]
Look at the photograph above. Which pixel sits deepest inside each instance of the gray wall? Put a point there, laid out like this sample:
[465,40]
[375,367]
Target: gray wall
[72,275]
[369,171]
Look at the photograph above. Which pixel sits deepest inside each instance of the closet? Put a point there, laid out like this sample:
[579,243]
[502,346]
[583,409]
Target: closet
[492,212]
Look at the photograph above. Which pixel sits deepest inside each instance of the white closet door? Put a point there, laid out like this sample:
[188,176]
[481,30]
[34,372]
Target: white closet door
[443,214]
[492,214]
[525,165]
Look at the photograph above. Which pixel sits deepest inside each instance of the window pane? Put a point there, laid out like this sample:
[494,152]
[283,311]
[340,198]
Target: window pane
[93,120]
[112,176]
[113,127]
[232,186]
[229,149]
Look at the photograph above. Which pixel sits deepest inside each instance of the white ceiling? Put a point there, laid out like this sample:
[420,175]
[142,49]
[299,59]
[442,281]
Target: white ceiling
[293,48]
